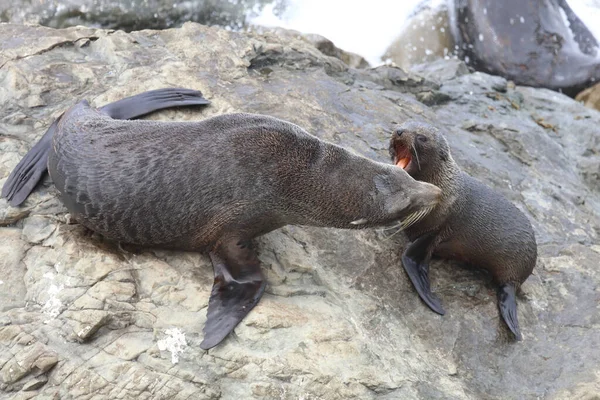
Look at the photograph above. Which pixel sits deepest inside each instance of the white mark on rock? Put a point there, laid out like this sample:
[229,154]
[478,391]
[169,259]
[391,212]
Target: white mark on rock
[84,331]
[174,342]
[53,305]
[1,282]
[49,275]
[481,37]
[522,20]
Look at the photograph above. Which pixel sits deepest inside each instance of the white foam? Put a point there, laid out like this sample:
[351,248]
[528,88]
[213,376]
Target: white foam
[363,28]
[588,12]
[369,28]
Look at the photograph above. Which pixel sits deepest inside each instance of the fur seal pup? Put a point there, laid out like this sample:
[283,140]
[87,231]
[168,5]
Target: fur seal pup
[216,184]
[472,222]
[32,168]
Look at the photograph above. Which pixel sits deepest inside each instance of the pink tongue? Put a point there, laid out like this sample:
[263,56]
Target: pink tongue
[403,162]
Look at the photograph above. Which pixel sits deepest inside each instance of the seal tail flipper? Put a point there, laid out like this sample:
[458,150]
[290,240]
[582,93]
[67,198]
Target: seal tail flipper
[153,100]
[237,288]
[31,169]
[416,265]
[507,302]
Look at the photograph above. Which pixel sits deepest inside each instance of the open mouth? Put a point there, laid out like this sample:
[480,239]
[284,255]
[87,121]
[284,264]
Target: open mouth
[403,156]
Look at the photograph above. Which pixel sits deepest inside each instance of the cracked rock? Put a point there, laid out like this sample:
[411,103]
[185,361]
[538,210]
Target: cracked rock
[81,317]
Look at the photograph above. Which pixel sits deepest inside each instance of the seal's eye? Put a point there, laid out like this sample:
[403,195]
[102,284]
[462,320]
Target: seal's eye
[422,138]
[399,131]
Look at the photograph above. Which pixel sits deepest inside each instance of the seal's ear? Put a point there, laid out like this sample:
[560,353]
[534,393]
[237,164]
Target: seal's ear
[382,184]
[443,146]
[443,154]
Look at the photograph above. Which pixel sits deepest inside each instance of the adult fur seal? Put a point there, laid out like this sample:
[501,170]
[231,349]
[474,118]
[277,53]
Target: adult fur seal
[472,222]
[214,185]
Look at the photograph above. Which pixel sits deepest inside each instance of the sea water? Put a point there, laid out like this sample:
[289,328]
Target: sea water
[369,27]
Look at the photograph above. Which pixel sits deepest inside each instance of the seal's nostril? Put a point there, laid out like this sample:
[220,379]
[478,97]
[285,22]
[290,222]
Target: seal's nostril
[399,131]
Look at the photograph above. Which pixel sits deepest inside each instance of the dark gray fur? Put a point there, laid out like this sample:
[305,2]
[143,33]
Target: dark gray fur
[472,223]
[189,184]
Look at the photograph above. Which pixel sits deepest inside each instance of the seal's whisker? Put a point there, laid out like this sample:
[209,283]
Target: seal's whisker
[393,234]
[389,228]
[407,222]
[416,155]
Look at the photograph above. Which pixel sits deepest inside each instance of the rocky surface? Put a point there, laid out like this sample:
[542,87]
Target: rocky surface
[132,14]
[84,318]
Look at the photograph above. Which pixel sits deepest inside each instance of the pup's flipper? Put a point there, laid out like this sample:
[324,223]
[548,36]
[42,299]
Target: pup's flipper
[507,303]
[415,261]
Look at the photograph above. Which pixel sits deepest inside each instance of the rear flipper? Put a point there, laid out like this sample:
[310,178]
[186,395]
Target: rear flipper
[153,100]
[416,264]
[31,169]
[507,302]
[237,288]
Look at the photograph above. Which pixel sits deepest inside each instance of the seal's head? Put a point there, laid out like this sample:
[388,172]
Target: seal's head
[418,148]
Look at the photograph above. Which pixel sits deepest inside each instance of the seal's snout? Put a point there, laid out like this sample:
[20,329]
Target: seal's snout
[399,131]
[424,198]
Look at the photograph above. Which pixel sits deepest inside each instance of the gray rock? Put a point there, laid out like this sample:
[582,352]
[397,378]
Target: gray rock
[324,45]
[538,43]
[82,317]
[131,15]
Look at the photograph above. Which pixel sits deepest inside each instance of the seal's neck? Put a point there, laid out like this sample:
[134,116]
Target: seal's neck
[443,174]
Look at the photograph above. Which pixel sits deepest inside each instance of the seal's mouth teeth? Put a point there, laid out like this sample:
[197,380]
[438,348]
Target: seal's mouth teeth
[403,156]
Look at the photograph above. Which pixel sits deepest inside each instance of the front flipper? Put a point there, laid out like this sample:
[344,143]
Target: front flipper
[507,303]
[237,288]
[416,264]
